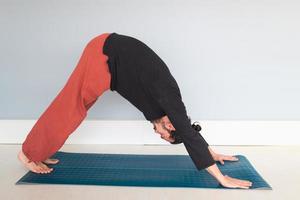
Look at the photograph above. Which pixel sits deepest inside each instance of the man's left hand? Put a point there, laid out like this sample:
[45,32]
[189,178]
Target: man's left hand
[221,158]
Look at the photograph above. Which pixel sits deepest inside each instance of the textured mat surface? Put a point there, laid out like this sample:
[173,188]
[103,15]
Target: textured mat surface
[139,170]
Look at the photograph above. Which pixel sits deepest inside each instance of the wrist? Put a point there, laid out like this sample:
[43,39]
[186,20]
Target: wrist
[221,179]
[216,173]
[213,154]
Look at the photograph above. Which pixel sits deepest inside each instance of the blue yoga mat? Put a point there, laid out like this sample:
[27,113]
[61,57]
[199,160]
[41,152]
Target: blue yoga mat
[139,170]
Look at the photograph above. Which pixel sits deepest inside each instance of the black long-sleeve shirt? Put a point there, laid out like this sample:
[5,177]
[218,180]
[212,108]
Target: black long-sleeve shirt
[140,76]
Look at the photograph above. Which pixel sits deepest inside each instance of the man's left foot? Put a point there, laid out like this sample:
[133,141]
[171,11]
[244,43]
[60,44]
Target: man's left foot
[36,167]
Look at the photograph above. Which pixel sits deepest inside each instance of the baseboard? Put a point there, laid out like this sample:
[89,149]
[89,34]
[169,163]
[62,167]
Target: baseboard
[141,132]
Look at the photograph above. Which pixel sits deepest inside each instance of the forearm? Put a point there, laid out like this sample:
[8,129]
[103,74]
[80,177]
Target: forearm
[215,172]
[213,154]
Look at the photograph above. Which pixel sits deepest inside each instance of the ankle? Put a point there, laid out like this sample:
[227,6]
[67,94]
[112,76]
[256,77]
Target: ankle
[23,157]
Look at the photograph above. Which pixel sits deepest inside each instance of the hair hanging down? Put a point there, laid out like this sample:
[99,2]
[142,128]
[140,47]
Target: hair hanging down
[178,139]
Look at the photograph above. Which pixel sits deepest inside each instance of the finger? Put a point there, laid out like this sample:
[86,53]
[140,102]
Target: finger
[221,161]
[233,158]
[241,186]
[237,185]
[242,182]
[234,179]
[245,186]
[230,158]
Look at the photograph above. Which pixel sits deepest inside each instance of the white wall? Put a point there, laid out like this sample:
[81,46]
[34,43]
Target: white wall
[233,60]
[141,132]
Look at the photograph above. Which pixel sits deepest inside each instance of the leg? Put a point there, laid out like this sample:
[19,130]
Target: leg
[87,82]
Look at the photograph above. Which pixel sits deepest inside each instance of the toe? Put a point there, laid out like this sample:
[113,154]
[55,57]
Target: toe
[51,161]
[45,167]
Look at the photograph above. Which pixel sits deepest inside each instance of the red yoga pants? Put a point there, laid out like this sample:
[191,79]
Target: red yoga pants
[87,82]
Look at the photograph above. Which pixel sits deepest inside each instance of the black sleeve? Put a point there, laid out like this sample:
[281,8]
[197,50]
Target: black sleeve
[167,93]
[203,139]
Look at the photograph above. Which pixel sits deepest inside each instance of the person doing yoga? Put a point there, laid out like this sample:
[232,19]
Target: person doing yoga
[124,64]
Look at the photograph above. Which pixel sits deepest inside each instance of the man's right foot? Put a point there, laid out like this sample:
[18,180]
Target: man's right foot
[37,167]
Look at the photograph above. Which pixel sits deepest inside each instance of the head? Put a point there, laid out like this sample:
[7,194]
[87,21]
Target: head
[166,130]
[163,127]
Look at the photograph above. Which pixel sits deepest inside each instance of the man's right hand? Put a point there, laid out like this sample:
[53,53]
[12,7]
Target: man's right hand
[227,181]
[230,182]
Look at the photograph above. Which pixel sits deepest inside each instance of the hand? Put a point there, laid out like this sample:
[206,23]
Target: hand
[227,181]
[230,182]
[221,158]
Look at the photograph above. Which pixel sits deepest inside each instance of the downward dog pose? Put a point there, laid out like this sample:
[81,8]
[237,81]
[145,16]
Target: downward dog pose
[126,65]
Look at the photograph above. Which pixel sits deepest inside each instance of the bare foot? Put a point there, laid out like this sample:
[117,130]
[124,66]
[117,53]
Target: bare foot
[37,167]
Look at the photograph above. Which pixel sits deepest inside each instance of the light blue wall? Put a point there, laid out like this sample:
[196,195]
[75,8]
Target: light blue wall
[233,60]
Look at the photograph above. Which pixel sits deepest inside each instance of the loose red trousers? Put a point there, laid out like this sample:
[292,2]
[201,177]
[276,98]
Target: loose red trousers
[87,82]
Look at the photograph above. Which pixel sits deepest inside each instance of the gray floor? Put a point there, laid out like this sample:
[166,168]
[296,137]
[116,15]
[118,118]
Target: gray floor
[279,165]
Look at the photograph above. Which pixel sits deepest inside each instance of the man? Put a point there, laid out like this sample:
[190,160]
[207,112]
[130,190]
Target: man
[126,65]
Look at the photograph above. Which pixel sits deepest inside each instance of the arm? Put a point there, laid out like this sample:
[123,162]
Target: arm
[168,96]
[216,173]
